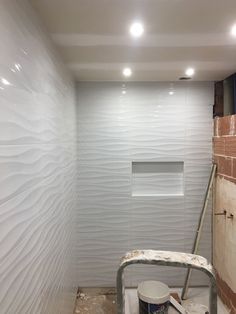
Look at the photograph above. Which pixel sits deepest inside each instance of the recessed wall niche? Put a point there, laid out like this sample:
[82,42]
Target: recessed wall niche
[158,178]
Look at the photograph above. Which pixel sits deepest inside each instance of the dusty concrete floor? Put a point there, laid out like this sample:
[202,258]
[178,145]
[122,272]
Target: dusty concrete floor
[96,301]
[103,301]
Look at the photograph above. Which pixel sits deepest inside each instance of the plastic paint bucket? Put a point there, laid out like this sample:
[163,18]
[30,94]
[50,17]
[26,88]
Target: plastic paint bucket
[154,297]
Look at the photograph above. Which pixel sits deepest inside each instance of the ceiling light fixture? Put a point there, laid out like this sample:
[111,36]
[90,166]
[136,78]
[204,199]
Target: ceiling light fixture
[190,72]
[136,29]
[171,92]
[233,30]
[127,72]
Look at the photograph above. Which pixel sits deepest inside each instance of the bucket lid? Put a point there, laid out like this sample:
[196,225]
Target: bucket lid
[153,292]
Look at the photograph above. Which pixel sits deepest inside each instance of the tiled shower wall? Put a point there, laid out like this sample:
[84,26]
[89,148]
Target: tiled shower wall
[37,169]
[144,124]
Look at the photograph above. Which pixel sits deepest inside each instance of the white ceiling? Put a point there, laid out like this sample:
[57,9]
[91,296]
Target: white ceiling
[93,37]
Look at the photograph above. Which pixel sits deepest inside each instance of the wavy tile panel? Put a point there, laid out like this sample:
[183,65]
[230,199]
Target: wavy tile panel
[38,156]
[145,124]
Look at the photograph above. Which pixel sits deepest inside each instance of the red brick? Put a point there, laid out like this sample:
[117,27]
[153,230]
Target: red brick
[230,146]
[233,310]
[227,295]
[234,168]
[224,165]
[224,127]
[231,179]
[219,145]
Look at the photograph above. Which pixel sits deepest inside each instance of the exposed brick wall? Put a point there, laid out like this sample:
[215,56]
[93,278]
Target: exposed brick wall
[224,150]
[224,144]
[226,294]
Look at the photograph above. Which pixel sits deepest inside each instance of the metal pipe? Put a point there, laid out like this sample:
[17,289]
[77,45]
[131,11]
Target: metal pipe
[199,229]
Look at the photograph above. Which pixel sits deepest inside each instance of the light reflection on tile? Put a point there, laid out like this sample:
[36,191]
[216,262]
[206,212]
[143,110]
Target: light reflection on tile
[37,167]
[145,124]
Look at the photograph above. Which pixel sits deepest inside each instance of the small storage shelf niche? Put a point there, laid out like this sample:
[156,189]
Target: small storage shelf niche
[158,178]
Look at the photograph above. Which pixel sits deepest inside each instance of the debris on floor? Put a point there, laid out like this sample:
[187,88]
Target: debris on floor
[195,308]
[96,301]
[103,301]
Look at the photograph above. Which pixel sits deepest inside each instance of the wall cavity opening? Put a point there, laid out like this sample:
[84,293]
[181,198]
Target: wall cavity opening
[157,178]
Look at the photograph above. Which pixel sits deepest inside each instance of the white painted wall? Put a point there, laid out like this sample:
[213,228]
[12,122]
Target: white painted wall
[37,169]
[145,124]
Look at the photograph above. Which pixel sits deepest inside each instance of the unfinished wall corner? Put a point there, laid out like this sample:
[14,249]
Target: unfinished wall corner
[224,253]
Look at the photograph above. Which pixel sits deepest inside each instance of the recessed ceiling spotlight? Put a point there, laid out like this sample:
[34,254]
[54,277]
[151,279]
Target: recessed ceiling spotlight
[190,72]
[136,29]
[123,92]
[233,30]
[127,72]
[171,92]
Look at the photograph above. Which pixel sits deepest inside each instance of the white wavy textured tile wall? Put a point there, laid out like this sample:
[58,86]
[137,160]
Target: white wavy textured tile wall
[145,124]
[38,171]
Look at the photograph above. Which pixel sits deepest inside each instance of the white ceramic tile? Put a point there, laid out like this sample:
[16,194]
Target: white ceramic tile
[145,124]
[38,169]
[154,184]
